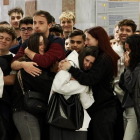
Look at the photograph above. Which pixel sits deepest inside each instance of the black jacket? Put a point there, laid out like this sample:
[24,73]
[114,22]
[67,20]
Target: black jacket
[132,84]
[100,79]
[41,83]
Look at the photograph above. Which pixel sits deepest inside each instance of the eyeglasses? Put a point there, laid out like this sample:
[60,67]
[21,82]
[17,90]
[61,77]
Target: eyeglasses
[29,29]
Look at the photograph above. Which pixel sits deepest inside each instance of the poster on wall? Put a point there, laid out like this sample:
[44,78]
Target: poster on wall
[109,13]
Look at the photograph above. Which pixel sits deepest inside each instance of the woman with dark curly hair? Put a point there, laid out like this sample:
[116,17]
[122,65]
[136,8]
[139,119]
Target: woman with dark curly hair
[132,86]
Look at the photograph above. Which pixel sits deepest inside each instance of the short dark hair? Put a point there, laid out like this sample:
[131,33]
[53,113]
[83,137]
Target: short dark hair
[53,19]
[26,20]
[46,14]
[9,30]
[4,22]
[56,28]
[92,50]
[15,10]
[77,32]
[128,22]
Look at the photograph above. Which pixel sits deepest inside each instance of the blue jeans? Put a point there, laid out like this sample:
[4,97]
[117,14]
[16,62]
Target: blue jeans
[27,125]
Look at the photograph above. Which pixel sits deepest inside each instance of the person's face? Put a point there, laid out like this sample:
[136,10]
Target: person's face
[77,43]
[25,31]
[41,45]
[91,41]
[5,41]
[116,33]
[15,18]
[67,25]
[67,44]
[88,62]
[112,42]
[40,25]
[124,32]
[127,48]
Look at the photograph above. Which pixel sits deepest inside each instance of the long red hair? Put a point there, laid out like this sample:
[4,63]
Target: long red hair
[104,45]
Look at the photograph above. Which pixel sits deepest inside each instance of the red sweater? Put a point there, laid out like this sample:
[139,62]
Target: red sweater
[55,53]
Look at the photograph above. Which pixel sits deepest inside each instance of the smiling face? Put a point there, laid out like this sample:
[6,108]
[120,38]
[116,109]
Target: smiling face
[41,45]
[88,62]
[91,41]
[67,25]
[124,32]
[25,31]
[5,42]
[14,19]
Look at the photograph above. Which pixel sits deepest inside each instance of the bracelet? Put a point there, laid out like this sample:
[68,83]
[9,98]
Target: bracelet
[68,68]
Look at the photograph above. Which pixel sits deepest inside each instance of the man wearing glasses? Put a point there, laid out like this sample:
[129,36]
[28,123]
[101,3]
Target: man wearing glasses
[26,29]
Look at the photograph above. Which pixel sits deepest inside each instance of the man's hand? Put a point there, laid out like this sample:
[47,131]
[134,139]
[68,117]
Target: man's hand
[30,68]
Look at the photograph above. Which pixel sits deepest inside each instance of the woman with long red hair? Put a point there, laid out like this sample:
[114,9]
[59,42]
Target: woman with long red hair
[100,78]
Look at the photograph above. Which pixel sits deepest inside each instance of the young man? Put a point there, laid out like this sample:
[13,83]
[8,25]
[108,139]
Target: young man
[16,14]
[56,30]
[42,22]
[67,21]
[26,29]
[77,41]
[7,35]
[126,28]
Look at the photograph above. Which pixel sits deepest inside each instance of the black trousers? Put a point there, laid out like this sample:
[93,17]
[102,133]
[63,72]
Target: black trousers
[57,133]
[103,125]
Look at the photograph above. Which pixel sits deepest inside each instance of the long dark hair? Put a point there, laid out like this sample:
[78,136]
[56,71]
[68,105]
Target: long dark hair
[104,45]
[134,45]
[92,50]
[33,44]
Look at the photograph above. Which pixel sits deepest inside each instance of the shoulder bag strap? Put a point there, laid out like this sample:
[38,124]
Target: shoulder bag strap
[20,81]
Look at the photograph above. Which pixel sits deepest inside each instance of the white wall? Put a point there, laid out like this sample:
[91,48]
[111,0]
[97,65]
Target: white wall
[54,7]
[85,14]
[5,8]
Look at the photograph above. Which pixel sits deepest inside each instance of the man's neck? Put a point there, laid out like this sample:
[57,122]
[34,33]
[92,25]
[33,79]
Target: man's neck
[17,32]
[47,34]
[3,52]
[66,34]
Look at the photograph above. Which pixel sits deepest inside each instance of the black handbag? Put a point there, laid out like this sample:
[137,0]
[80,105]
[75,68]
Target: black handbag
[34,102]
[64,113]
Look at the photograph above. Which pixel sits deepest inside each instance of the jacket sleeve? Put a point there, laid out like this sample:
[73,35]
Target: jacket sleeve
[55,53]
[1,83]
[130,78]
[63,85]
[93,77]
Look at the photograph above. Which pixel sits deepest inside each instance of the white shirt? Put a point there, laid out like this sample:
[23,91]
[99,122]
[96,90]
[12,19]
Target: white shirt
[117,90]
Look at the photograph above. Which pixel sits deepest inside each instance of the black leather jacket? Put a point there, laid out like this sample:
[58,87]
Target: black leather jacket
[132,83]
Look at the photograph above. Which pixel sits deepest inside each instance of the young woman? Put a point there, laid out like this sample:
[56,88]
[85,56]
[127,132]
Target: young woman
[103,111]
[131,82]
[64,85]
[28,124]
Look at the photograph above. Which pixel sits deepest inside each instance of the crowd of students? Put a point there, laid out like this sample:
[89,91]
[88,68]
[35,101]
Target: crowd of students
[52,57]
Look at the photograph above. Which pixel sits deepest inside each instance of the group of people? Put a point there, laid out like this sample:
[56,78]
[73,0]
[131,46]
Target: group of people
[51,58]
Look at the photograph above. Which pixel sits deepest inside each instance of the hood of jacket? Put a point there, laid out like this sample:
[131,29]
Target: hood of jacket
[73,58]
